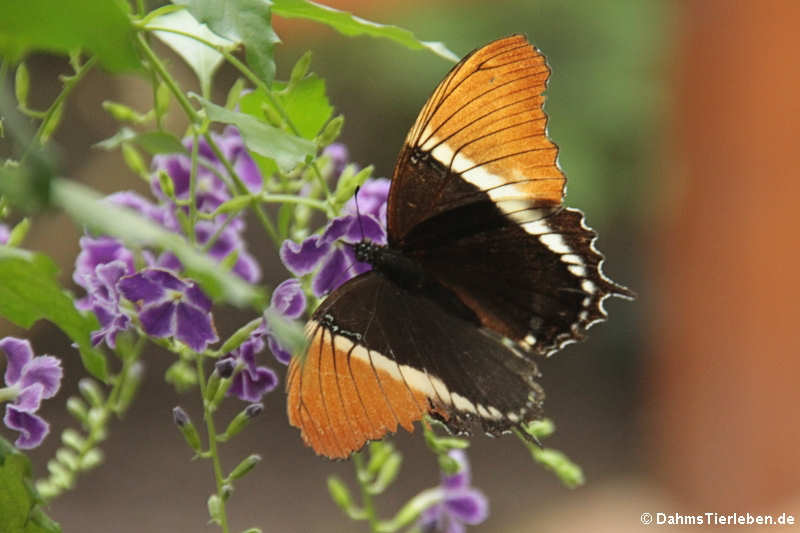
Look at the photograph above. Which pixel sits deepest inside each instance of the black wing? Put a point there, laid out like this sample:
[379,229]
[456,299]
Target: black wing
[381,356]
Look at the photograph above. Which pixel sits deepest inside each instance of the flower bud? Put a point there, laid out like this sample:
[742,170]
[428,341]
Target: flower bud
[215,508]
[91,459]
[22,84]
[133,159]
[122,113]
[340,493]
[91,392]
[184,423]
[241,420]
[227,492]
[77,408]
[300,69]
[163,96]
[19,232]
[244,467]
[73,439]
[387,474]
[225,367]
[331,131]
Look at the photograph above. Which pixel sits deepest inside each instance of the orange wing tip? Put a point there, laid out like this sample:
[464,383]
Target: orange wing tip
[342,396]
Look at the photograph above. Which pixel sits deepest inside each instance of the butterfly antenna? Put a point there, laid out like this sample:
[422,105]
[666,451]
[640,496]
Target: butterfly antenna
[358,213]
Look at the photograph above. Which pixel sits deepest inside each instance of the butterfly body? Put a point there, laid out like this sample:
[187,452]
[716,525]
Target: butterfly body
[484,271]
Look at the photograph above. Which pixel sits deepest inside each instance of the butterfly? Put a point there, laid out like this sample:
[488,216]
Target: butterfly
[484,271]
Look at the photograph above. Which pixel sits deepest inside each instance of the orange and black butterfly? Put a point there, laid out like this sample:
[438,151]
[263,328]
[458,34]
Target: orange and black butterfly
[485,269]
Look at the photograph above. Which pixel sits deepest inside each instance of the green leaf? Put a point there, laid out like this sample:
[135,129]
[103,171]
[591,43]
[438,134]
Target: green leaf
[306,103]
[19,503]
[203,59]
[29,292]
[85,206]
[348,24]
[154,142]
[101,27]
[286,149]
[242,21]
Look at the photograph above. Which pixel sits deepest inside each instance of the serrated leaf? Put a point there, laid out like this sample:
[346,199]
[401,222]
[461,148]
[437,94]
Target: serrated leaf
[85,206]
[19,503]
[29,292]
[97,26]
[202,59]
[285,149]
[306,104]
[242,21]
[349,24]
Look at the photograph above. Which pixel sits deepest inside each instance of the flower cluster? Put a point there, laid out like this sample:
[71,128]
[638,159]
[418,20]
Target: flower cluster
[461,503]
[329,255]
[168,306]
[29,379]
[5,233]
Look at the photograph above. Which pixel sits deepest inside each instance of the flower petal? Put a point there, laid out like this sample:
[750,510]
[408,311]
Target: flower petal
[45,370]
[158,319]
[195,296]
[280,353]
[289,299]
[139,288]
[33,428]
[194,327]
[461,479]
[467,505]
[333,273]
[30,398]
[302,258]
[250,386]
[18,352]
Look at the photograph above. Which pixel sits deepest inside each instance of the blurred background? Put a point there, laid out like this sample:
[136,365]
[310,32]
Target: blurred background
[676,122]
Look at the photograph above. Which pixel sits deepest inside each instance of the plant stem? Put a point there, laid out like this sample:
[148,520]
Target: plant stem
[368,505]
[212,443]
[69,84]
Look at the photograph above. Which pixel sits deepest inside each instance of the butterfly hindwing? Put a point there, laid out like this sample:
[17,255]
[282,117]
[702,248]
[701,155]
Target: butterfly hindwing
[381,356]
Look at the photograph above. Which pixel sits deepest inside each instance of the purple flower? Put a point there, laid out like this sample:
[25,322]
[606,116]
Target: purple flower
[229,239]
[328,254]
[104,296]
[5,233]
[170,307]
[100,264]
[29,379]
[289,300]
[252,381]
[372,198]
[461,504]
[96,251]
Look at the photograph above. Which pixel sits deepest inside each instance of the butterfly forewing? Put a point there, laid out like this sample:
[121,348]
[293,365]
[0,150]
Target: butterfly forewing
[484,124]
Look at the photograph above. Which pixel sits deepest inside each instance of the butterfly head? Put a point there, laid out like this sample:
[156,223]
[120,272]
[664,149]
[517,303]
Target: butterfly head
[367,251]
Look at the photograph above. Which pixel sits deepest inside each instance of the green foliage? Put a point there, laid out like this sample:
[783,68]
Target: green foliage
[203,59]
[101,27]
[20,510]
[153,142]
[351,25]
[304,102]
[241,21]
[285,149]
[29,291]
[570,474]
